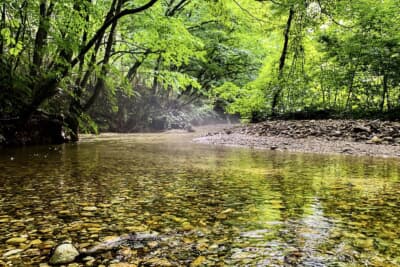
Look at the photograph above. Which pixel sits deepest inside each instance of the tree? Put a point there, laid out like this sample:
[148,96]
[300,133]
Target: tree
[64,34]
[335,55]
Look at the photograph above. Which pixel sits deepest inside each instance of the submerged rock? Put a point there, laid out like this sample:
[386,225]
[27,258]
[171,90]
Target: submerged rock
[12,252]
[122,264]
[16,240]
[198,261]
[114,242]
[63,254]
[89,208]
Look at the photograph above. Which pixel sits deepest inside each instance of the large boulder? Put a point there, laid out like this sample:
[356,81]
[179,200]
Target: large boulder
[64,254]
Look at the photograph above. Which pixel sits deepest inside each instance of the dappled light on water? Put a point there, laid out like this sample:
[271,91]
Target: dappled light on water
[211,205]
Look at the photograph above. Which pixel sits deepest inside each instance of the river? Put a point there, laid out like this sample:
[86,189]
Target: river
[212,205]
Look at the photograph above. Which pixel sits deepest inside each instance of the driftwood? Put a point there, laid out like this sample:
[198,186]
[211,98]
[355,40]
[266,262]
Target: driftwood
[123,240]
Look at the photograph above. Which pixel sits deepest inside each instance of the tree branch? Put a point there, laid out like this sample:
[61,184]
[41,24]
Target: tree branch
[104,27]
[248,12]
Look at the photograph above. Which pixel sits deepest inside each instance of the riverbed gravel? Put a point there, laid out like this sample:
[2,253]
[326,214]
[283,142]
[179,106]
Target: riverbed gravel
[353,137]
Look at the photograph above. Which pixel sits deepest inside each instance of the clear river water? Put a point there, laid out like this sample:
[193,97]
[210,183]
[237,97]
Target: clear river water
[211,205]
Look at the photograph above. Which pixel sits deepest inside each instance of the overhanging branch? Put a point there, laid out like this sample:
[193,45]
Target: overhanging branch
[104,27]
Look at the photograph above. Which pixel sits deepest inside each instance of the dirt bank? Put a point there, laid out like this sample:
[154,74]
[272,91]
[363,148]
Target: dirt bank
[357,137]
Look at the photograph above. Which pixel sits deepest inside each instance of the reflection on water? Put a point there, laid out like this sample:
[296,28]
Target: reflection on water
[215,206]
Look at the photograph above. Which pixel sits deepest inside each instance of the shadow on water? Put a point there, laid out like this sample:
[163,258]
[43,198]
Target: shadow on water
[215,205]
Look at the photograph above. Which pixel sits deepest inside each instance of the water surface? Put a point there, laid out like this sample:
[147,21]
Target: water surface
[214,206]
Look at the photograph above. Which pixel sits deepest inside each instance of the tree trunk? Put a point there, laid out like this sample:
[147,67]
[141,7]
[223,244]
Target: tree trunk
[155,79]
[350,91]
[41,35]
[282,60]
[133,70]
[2,26]
[384,93]
[100,84]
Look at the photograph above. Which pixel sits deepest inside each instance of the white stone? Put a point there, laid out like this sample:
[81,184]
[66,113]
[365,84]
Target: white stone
[63,254]
[12,252]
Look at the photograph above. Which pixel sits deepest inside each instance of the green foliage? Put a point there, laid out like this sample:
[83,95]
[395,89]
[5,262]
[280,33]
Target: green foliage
[88,125]
[340,55]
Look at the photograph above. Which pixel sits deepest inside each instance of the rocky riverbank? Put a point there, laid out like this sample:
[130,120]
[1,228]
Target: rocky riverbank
[40,129]
[358,137]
